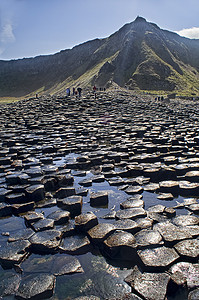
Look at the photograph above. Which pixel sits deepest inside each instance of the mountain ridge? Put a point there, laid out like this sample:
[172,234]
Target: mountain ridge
[140,56]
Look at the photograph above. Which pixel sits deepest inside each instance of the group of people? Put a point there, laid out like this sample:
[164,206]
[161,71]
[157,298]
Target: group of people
[77,92]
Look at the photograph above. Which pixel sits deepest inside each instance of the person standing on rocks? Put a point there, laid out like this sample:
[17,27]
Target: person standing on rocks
[67,92]
[94,90]
[73,91]
[79,91]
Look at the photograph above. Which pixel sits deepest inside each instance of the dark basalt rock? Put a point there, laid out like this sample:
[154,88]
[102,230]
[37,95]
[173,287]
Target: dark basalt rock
[193,230]
[110,215]
[157,217]
[45,241]
[144,223]
[66,265]
[185,220]
[77,244]
[59,217]
[23,234]
[120,245]
[86,182]
[131,203]
[84,222]
[157,208]
[72,204]
[43,224]
[88,298]
[194,295]
[169,186]
[170,212]
[194,208]
[98,178]
[192,176]
[134,190]
[5,210]
[65,192]
[171,232]
[9,283]
[131,213]
[159,258]
[151,187]
[33,217]
[36,286]
[188,248]
[22,208]
[99,199]
[52,264]
[14,198]
[34,172]
[64,180]
[185,273]
[81,192]
[3,193]
[127,225]
[100,232]
[46,202]
[14,253]
[187,188]
[146,146]
[149,285]
[68,229]
[165,196]
[116,181]
[148,238]
[35,192]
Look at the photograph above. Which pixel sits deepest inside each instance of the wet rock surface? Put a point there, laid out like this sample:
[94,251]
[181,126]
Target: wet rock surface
[149,285]
[115,176]
[39,286]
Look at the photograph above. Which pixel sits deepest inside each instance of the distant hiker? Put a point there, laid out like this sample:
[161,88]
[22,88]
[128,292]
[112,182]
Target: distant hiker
[37,96]
[94,90]
[67,92]
[73,91]
[79,91]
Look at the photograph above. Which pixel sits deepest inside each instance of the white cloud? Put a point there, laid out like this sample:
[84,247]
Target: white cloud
[6,34]
[192,33]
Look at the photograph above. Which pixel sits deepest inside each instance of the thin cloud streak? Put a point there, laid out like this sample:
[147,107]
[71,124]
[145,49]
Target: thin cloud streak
[6,36]
[192,33]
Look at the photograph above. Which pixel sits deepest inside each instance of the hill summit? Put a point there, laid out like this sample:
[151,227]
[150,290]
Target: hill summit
[139,56]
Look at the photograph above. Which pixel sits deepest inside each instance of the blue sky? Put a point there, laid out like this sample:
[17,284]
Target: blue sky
[35,27]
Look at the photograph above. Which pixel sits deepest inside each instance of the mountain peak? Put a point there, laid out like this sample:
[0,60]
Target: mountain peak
[140,56]
[140,19]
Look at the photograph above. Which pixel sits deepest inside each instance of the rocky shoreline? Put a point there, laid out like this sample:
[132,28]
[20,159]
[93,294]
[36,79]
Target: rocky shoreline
[117,175]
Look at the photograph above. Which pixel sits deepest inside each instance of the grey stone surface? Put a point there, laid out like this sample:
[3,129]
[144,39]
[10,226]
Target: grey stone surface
[160,257]
[100,232]
[9,283]
[14,253]
[148,238]
[36,286]
[188,248]
[59,217]
[188,274]
[86,221]
[46,241]
[120,245]
[77,244]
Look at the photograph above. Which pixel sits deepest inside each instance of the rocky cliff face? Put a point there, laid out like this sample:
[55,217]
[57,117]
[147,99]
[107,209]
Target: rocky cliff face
[140,56]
